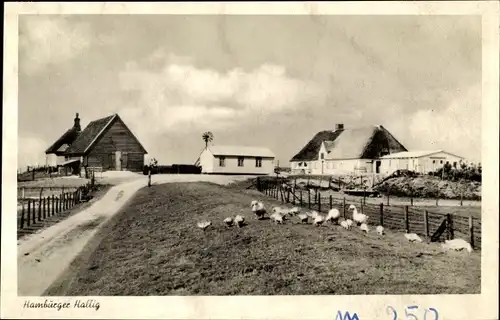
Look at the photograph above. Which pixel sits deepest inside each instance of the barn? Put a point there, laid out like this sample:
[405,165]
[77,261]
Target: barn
[105,144]
[346,150]
[418,161]
[249,160]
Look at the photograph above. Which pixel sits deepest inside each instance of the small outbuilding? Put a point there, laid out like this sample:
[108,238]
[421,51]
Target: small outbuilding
[423,161]
[236,160]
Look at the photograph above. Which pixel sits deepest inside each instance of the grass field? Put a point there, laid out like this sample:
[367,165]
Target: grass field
[153,247]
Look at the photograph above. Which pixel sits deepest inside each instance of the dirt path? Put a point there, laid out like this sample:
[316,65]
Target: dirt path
[43,256]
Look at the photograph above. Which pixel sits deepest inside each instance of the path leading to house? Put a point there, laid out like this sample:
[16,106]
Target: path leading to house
[43,256]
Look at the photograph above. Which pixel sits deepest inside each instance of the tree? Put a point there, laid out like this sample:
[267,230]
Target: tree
[207,137]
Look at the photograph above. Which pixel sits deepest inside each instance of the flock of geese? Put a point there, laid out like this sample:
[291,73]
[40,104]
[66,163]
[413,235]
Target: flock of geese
[279,215]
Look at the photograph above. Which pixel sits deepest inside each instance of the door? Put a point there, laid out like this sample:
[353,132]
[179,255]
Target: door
[377,166]
[118,161]
[124,161]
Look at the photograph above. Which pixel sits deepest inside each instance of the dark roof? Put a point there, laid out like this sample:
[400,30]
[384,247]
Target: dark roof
[67,138]
[92,133]
[356,143]
[311,149]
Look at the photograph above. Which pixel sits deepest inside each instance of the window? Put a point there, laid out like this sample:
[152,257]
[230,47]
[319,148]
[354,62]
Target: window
[454,164]
[433,161]
[322,156]
[258,162]
[222,161]
[441,162]
[240,161]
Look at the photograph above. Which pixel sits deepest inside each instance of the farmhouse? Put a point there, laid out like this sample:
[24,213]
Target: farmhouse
[236,160]
[346,150]
[418,161]
[105,144]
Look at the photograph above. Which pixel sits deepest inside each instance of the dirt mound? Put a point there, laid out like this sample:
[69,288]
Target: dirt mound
[429,187]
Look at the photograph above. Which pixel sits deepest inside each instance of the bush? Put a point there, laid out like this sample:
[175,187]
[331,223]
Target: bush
[466,172]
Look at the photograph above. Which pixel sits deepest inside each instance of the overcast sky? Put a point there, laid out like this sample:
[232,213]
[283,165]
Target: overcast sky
[270,81]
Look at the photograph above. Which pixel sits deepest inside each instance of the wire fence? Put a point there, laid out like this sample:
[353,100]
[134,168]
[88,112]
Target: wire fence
[431,225]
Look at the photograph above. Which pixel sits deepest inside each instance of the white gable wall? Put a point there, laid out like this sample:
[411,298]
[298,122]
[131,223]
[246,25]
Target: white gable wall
[53,160]
[207,161]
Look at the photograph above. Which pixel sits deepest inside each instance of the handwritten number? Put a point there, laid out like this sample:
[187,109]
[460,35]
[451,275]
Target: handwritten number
[433,310]
[411,314]
[393,312]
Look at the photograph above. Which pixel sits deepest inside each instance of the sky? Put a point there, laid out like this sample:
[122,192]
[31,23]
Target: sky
[272,81]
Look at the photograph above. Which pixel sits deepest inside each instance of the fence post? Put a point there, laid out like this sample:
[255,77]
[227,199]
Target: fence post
[426,224]
[382,214]
[364,193]
[450,226]
[34,213]
[22,192]
[44,212]
[319,201]
[407,224]
[53,205]
[388,195]
[331,202]
[471,232]
[343,206]
[309,197]
[22,217]
[411,200]
[361,205]
[40,210]
[29,212]
[437,201]
[461,199]
[301,202]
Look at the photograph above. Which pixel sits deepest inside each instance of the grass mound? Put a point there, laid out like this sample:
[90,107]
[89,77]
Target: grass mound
[426,186]
[154,247]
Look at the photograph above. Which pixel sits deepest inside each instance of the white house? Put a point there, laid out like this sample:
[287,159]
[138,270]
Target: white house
[236,160]
[418,161]
[345,150]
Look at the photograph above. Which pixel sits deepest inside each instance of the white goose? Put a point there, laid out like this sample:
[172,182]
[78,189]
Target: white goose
[359,218]
[413,237]
[333,215]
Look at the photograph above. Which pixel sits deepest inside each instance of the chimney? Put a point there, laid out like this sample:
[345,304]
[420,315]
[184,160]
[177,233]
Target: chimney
[339,126]
[77,123]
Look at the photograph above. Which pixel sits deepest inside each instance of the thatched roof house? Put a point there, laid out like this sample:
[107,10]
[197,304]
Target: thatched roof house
[343,148]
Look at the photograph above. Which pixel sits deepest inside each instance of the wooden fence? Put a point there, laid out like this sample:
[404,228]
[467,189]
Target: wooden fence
[433,226]
[34,211]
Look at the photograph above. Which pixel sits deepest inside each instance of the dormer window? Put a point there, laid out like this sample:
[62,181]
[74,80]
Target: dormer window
[322,156]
